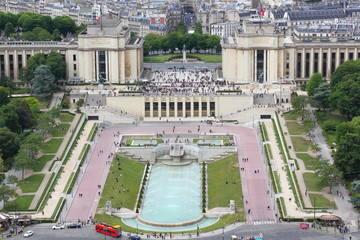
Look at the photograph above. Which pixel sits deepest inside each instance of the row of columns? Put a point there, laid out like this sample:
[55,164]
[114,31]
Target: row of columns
[183,112]
[320,52]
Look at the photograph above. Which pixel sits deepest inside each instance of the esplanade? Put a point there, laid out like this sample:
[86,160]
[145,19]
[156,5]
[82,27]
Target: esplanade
[261,67]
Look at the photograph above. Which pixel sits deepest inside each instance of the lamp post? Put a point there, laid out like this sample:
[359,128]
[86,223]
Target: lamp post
[197,230]
[223,228]
[150,58]
[314,210]
[137,229]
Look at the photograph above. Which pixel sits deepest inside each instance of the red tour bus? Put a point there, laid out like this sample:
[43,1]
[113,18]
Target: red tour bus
[114,231]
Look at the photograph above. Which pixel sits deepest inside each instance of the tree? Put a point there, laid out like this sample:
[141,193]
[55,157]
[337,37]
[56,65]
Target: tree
[26,118]
[2,164]
[57,64]
[9,29]
[6,193]
[315,80]
[346,97]
[315,147]
[32,63]
[181,28]
[299,104]
[64,24]
[43,83]
[355,189]
[321,96]
[56,35]
[347,156]
[9,118]
[308,125]
[45,123]
[26,157]
[329,174]
[34,105]
[11,179]
[34,138]
[9,143]
[345,69]
[6,82]
[198,28]
[4,96]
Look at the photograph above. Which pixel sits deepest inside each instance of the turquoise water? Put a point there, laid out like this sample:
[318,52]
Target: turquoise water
[173,195]
[137,224]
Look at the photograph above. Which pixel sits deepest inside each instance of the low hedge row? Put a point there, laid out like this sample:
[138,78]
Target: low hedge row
[73,145]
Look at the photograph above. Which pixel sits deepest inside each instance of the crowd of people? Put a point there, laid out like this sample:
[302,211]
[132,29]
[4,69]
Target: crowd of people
[180,81]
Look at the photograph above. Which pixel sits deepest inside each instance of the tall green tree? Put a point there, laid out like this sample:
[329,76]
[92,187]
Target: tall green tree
[64,24]
[57,64]
[345,69]
[321,96]
[181,28]
[9,144]
[32,63]
[12,180]
[315,80]
[329,174]
[6,193]
[299,104]
[355,189]
[308,125]
[4,96]
[34,105]
[198,28]
[9,118]
[45,123]
[345,96]
[26,157]
[44,82]
[9,29]
[26,118]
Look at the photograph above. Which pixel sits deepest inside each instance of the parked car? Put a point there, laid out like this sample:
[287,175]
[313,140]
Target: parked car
[29,233]
[58,226]
[134,237]
[74,225]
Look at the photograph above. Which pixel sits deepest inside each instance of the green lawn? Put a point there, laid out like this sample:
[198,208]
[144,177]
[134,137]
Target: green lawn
[321,201]
[41,161]
[295,128]
[52,145]
[322,116]
[20,203]
[44,102]
[210,58]
[300,144]
[291,115]
[221,176]
[312,182]
[66,117]
[60,130]
[309,161]
[31,184]
[130,180]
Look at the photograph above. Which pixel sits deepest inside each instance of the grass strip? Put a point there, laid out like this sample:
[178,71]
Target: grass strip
[73,145]
[31,184]
[92,132]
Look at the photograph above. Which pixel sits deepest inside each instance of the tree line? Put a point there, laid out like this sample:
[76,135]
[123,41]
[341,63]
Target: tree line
[342,94]
[176,40]
[29,26]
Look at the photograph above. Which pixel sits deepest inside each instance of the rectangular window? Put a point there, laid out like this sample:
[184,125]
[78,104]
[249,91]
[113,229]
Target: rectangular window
[102,65]
[196,109]
[333,62]
[163,109]
[171,109]
[147,109]
[260,66]
[204,109]
[180,109]
[316,62]
[2,65]
[351,56]
[342,57]
[28,56]
[324,64]
[74,67]
[11,62]
[212,109]
[298,67]
[188,109]
[307,65]
[155,109]
[20,63]
[74,57]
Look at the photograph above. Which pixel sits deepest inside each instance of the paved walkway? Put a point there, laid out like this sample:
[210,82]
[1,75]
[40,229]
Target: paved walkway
[68,168]
[255,192]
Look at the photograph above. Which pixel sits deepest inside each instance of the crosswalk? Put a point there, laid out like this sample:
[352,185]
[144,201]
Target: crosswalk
[263,222]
